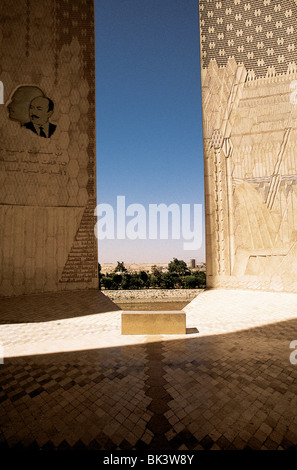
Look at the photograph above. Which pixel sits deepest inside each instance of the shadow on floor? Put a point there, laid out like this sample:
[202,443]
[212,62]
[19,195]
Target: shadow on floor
[54,306]
[227,391]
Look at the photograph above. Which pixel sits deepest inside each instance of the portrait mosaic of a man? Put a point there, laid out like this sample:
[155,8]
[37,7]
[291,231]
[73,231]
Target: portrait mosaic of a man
[32,109]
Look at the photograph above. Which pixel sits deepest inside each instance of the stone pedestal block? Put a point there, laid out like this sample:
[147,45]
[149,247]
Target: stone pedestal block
[153,323]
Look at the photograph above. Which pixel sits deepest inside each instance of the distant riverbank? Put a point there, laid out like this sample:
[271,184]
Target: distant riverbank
[109,267]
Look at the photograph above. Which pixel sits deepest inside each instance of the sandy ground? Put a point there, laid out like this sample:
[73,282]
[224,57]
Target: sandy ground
[155,306]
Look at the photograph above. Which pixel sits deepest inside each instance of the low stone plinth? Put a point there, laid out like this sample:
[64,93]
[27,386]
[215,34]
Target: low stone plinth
[171,322]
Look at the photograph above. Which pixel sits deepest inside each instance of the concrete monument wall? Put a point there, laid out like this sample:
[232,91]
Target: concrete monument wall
[47,146]
[249,101]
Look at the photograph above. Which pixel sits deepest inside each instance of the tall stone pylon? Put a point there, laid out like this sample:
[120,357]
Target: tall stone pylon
[248,69]
[47,154]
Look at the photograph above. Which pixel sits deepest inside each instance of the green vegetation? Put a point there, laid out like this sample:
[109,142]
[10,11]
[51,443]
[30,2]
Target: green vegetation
[177,276]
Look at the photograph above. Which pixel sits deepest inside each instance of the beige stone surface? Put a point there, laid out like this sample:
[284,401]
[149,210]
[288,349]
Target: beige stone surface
[152,295]
[153,323]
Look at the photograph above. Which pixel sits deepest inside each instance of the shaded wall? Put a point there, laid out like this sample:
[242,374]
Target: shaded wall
[47,188]
[249,100]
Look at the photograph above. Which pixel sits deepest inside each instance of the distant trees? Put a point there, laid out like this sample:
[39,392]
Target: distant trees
[156,276]
[178,276]
[179,267]
[120,267]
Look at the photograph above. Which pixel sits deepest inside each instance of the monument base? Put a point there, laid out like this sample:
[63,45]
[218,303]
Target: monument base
[171,322]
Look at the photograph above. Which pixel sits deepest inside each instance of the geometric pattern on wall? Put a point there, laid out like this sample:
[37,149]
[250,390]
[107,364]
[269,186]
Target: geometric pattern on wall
[248,67]
[49,45]
[259,33]
[80,266]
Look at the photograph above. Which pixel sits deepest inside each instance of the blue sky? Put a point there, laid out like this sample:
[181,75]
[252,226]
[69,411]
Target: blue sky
[148,116]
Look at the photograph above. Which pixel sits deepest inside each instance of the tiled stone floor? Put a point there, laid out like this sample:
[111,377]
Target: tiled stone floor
[70,380]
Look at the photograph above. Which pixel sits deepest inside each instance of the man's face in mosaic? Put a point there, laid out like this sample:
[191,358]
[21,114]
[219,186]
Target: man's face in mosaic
[39,111]
[18,106]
